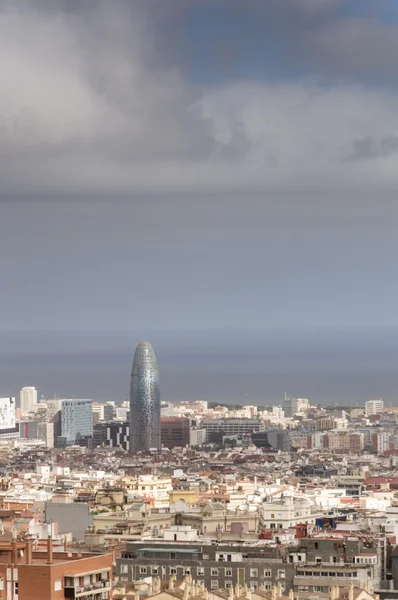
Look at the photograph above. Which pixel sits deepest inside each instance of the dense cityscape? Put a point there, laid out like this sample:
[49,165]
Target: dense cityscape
[145,498]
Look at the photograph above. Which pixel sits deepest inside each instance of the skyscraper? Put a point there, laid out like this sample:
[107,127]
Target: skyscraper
[76,421]
[144,400]
[28,399]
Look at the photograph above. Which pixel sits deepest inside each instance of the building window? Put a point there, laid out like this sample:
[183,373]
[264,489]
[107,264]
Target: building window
[267,586]
[155,570]
[267,573]
[187,571]
[124,568]
[173,571]
[253,572]
[57,585]
[281,573]
[254,585]
[214,572]
[303,588]
[143,570]
[228,572]
[200,571]
[214,584]
[228,585]
[200,582]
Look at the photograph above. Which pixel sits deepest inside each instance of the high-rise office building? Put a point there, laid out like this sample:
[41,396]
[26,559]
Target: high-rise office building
[174,431]
[27,399]
[144,400]
[292,406]
[373,407]
[76,421]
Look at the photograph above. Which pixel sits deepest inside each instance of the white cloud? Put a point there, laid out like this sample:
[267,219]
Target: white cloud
[82,110]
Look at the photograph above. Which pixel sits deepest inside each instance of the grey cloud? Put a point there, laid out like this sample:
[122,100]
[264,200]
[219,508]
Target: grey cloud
[360,47]
[368,148]
[88,106]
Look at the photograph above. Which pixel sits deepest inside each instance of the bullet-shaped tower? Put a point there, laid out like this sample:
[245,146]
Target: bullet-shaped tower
[144,400]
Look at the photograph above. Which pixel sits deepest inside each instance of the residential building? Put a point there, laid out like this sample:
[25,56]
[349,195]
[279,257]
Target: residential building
[222,565]
[287,512]
[8,427]
[26,574]
[28,399]
[373,407]
[197,436]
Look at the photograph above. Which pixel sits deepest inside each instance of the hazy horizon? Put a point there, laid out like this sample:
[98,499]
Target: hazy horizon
[240,366]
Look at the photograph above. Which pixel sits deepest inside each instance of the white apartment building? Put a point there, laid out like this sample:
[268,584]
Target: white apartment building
[373,407]
[383,442]
[197,436]
[287,512]
[27,399]
[277,414]
[121,413]
[8,428]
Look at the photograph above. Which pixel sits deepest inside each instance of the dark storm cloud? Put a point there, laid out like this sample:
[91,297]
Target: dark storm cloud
[368,148]
[96,99]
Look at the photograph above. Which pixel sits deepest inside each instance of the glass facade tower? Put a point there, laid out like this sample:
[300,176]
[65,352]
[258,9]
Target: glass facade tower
[144,400]
[76,420]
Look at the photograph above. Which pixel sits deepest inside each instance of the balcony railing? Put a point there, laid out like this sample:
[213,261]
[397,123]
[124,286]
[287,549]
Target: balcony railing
[91,590]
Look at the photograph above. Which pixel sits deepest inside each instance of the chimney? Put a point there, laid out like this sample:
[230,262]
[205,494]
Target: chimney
[14,555]
[231,593]
[291,594]
[274,593]
[49,550]
[28,552]
[171,583]
[186,592]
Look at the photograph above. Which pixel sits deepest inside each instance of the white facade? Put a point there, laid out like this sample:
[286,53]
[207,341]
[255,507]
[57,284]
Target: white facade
[197,437]
[7,414]
[121,413]
[286,512]
[180,533]
[98,409]
[373,407]
[383,442]
[28,399]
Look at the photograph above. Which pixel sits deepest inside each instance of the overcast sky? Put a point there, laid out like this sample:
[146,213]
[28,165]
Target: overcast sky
[182,164]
